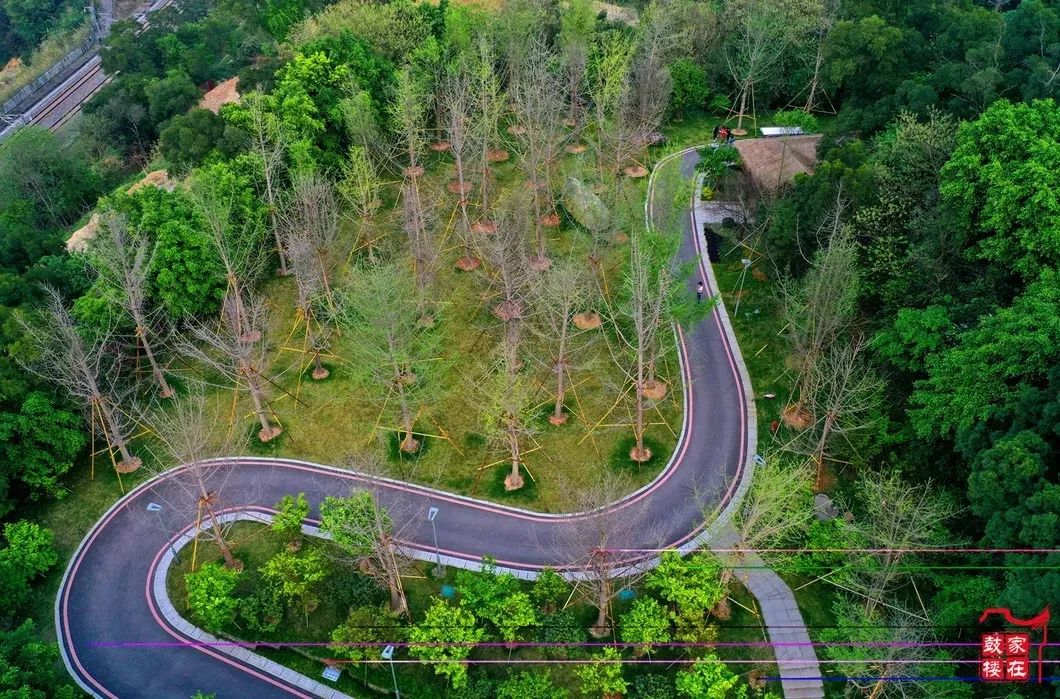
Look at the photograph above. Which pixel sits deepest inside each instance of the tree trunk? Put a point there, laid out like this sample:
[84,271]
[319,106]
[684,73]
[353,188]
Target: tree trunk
[114,434]
[167,390]
[639,429]
[255,396]
[829,422]
[561,369]
[218,537]
[398,603]
[513,445]
[743,104]
[815,81]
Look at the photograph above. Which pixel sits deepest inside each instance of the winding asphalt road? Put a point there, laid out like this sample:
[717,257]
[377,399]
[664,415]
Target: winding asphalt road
[106,599]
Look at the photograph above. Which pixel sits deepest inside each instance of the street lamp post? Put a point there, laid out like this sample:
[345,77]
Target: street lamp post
[439,569]
[157,509]
[388,654]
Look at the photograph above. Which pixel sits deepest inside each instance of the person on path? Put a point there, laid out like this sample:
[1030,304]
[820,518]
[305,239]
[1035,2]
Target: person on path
[699,291]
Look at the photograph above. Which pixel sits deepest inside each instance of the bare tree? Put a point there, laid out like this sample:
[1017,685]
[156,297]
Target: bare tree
[898,517]
[359,188]
[821,308]
[84,368]
[507,405]
[597,547]
[609,88]
[648,285]
[236,243]
[189,435]
[490,105]
[577,24]
[395,354]
[122,259]
[409,111]
[230,350]
[311,230]
[761,38]
[844,393]
[510,277]
[646,101]
[540,135]
[566,288]
[456,105]
[268,146]
[365,532]
[823,21]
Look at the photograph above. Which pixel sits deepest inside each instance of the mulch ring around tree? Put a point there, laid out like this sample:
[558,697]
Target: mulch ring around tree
[516,129]
[587,321]
[484,227]
[129,465]
[414,171]
[496,156]
[320,373]
[468,264]
[440,146]
[539,263]
[571,123]
[508,310]
[576,148]
[456,188]
[758,274]
[550,221]
[635,171]
[267,435]
[796,417]
[655,390]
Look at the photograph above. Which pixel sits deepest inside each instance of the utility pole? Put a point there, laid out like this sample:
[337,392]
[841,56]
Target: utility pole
[439,569]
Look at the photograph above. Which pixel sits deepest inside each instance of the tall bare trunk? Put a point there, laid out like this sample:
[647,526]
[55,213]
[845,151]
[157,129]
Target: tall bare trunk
[639,430]
[513,445]
[398,603]
[218,537]
[561,368]
[156,371]
[743,104]
[815,81]
[114,433]
[255,394]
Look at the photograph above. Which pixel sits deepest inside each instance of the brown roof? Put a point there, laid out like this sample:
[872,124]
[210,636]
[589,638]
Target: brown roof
[772,162]
[222,94]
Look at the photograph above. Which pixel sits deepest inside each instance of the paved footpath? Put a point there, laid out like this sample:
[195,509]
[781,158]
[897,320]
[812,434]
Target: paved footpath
[118,638]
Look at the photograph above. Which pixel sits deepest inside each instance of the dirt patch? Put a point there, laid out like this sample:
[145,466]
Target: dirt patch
[640,455]
[78,241]
[550,221]
[517,129]
[576,148]
[635,171]
[440,146]
[224,93]
[587,321]
[414,171]
[320,373]
[484,227]
[497,156]
[156,178]
[796,417]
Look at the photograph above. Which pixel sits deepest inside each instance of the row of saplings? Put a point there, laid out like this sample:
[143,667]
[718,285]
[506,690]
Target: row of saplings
[486,614]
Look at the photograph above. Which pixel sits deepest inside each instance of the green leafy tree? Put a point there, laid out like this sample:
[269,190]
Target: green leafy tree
[291,510]
[29,552]
[263,610]
[646,623]
[709,678]
[530,685]
[689,87]
[297,576]
[692,586]
[190,139]
[603,677]
[549,590]
[993,365]
[365,631]
[170,95]
[189,279]
[446,637]
[497,599]
[210,595]
[1003,182]
[40,443]
[28,666]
